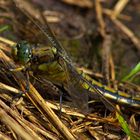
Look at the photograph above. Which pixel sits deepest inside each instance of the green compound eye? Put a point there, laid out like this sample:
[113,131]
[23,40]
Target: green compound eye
[22,52]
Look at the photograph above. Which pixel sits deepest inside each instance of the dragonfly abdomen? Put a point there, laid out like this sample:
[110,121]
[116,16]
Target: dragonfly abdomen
[110,94]
[115,96]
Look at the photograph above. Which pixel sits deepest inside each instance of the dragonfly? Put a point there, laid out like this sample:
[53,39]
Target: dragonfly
[54,63]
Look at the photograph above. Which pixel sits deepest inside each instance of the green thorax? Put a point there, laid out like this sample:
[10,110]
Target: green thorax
[42,61]
[46,63]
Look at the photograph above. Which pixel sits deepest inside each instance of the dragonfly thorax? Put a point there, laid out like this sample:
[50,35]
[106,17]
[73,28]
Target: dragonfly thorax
[22,53]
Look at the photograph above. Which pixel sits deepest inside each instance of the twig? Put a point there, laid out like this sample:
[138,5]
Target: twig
[128,32]
[119,7]
[9,88]
[38,101]
[100,18]
[18,129]
[11,43]
[106,41]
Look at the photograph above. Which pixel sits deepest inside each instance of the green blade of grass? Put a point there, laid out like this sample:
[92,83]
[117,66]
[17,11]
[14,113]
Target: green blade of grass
[3,28]
[133,72]
[125,127]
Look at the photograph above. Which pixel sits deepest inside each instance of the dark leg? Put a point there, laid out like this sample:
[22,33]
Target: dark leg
[26,89]
[18,96]
[61,95]
[27,81]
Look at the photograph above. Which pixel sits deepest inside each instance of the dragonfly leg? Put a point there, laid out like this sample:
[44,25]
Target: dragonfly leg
[18,96]
[26,89]
[60,102]
[27,81]
[21,93]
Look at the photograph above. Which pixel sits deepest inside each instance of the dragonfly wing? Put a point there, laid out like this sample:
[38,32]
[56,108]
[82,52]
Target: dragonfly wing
[61,53]
[78,94]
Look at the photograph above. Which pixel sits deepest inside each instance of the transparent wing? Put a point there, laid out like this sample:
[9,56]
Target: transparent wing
[73,75]
[79,95]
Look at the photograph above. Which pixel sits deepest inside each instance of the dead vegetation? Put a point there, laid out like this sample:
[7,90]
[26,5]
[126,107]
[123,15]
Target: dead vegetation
[37,114]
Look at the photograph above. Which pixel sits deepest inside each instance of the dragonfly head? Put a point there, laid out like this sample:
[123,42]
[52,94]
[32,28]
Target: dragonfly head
[22,52]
